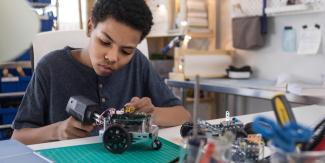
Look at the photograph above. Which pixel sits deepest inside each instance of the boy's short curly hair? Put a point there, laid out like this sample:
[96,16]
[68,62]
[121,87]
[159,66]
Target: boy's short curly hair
[134,13]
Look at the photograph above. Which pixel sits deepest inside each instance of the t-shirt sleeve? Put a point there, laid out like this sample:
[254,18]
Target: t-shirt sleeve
[160,94]
[31,112]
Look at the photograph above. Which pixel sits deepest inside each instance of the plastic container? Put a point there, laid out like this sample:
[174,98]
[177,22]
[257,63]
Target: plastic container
[40,1]
[279,156]
[7,115]
[5,133]
[15,83]
[47,21]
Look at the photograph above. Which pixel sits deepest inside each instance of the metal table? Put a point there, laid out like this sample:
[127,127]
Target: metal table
[256,88]
[251,88]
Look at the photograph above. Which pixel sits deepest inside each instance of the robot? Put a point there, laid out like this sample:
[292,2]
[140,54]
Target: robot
[215,130]
[119,128]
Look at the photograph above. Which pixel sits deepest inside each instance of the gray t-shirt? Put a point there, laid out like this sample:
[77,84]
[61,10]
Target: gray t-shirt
[59,76]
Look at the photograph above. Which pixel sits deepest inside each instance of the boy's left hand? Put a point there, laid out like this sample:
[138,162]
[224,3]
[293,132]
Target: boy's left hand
[142,104]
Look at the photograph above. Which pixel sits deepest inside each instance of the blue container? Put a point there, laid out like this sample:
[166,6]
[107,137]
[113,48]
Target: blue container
[47,22]
[25,56]
[40,1]
[7,115]
[5,133]
[14,84]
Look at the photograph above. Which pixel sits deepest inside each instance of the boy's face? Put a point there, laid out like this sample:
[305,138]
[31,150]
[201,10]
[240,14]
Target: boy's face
[112,45]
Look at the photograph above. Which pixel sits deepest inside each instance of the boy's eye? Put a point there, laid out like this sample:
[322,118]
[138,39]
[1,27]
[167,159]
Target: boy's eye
[106,43]
[127,52]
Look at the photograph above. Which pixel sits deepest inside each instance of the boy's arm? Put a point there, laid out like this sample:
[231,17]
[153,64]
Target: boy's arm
[170,116]
[36,135]
[162,116]
[67,129]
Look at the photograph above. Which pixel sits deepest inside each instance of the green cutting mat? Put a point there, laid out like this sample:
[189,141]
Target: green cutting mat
[98,153]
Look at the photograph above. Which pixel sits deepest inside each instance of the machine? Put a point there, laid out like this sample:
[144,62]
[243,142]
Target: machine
[119,128]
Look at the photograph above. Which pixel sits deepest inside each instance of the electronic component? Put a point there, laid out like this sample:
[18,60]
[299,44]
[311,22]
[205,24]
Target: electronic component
[214,130]
[244,150]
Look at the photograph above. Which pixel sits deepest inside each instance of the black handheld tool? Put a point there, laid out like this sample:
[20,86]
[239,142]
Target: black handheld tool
[282,109]
[83,109]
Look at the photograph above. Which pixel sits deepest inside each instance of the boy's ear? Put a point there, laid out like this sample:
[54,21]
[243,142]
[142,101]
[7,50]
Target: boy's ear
[90,27]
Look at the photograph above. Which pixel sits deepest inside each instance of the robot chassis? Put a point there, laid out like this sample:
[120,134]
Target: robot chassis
[215,130]
[119,128]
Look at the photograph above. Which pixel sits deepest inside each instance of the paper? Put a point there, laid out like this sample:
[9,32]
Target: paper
[306,89]
[310,39]
[12,151]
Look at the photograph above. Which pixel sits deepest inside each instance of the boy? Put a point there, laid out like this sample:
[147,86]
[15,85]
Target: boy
[109,71]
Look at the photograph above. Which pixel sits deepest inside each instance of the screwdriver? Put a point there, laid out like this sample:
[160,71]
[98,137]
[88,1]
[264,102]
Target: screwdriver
[282,109]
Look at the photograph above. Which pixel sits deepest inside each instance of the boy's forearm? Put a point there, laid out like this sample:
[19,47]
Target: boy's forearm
[36,135]
[170,116]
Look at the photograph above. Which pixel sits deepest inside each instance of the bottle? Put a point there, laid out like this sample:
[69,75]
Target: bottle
[289,39]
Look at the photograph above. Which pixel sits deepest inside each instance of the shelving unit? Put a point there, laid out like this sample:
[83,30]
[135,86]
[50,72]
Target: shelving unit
[211,34]
[17,75]
[294,9]
[5,126]
[12,94]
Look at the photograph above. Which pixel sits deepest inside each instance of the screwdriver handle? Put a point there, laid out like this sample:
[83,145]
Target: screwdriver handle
[282,109]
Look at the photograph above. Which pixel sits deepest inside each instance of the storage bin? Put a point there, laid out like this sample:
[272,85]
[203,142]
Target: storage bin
[15,83]
[40,1]
[7,115]
[47,21]
[5,133]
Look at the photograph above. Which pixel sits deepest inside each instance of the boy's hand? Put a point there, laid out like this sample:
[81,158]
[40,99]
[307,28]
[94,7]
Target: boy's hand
[72,128]
[142,105]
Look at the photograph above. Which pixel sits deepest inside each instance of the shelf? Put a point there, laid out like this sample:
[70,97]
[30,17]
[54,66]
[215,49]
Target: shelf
[293,10]
[153,35]
[38,5]
[200,34]
[5,126]
[12,94]
[26,64]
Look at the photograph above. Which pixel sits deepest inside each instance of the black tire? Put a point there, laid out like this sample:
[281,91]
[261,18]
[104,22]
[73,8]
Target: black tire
[156,144]
[186,129]
[116,139]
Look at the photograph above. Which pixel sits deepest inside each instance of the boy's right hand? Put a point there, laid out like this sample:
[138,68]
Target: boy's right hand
[72,128]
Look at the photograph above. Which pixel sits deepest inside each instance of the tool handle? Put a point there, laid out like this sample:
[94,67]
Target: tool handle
[282,109]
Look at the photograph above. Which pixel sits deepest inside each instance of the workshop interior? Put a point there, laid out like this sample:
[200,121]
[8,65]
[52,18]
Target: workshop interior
[250,75]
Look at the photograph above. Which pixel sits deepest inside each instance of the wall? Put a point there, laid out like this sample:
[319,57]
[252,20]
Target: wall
[270,61]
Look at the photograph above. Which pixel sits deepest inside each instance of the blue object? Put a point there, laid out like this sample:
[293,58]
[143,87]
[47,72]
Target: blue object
[17,84]
[47,22]
[284,138]
[5,133]
[25,56]
[174,42]
[7,115]
[40,1]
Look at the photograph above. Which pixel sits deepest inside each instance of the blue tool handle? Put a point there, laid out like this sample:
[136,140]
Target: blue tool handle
[298,132]
[165,49]
[264,126]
